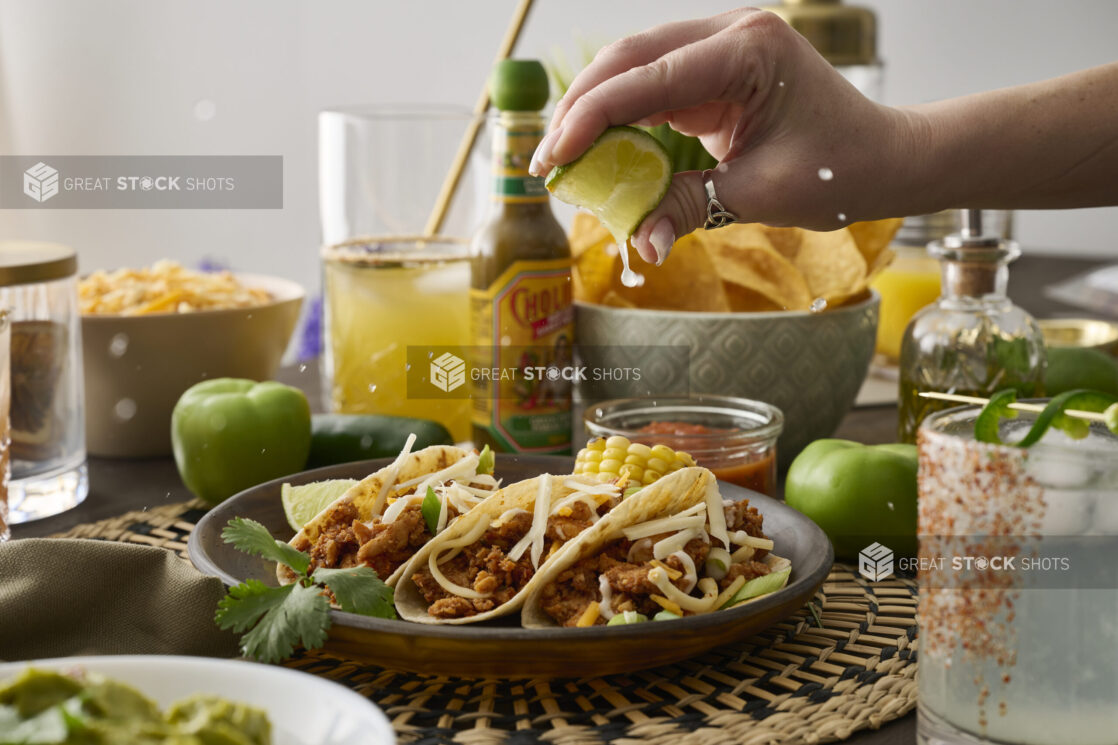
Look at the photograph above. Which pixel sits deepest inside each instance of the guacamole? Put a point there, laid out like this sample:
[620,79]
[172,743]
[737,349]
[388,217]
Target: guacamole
[87,709]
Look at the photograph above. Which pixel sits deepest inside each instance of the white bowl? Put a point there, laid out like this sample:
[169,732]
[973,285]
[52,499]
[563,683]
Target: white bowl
[303,709]
[136,367]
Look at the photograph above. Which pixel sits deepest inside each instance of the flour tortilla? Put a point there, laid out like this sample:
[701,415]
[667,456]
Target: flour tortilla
[668,496]
[363,495]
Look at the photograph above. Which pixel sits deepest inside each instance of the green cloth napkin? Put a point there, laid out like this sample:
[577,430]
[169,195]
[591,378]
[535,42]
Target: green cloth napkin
[61,597]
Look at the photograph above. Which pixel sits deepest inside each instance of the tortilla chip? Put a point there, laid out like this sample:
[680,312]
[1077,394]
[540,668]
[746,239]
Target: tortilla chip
[613,300]
[687,280]
[874,236]
[745,300]
[861,292]
[785,240]
[831,263]
[586,232]
[762,270]
[593,271]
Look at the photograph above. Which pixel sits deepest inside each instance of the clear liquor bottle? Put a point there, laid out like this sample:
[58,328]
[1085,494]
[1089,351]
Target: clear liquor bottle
[973,340]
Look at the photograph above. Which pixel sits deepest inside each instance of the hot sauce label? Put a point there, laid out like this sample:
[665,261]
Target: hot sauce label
[524,334]
[513,183]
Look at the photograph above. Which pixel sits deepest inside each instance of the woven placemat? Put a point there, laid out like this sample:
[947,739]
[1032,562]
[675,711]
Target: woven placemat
[845,664]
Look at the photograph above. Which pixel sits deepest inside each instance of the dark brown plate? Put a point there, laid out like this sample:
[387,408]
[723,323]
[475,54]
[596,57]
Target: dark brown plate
[505,649]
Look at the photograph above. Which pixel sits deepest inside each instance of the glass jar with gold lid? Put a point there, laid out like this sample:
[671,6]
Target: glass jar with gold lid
[38,285]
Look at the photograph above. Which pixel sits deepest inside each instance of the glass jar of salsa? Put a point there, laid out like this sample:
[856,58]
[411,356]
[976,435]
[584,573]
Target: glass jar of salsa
[734,437]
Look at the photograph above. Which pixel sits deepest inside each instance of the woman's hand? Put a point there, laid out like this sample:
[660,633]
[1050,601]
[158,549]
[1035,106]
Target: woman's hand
[791,134]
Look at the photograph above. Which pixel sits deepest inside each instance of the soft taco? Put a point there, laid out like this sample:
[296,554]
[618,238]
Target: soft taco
[673,549]
[380,522]
[482,566]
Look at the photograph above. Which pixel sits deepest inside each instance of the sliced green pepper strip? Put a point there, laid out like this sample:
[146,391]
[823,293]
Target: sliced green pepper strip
[485,461]
[430,509]
[986,426]
[996,409]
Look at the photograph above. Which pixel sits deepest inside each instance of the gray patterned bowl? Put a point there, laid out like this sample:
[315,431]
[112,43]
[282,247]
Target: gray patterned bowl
[809,365]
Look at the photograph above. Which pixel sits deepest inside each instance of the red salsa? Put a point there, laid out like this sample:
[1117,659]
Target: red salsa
[750,466]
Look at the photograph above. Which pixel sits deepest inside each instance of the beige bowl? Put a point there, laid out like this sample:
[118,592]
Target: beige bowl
[136,367]
[810,366]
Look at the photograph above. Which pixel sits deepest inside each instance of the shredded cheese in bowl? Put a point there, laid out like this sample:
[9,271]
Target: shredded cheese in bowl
[165,287]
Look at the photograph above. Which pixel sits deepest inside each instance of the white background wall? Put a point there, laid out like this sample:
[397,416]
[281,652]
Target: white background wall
[133,77]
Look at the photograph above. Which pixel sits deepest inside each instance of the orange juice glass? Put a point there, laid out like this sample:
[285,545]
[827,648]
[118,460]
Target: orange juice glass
[906,286]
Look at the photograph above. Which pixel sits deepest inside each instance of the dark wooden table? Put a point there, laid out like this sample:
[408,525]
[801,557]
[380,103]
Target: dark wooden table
[117,486]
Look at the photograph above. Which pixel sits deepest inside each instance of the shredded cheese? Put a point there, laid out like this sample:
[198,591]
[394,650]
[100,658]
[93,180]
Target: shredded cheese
[390,476]
[690,577]
[453,589]
[477,491]
[682,521]
[715,514]
[605,605]
[399,505]
[668,605]
[741,538]
[566,502]
[745,553]
[461,470]
[729,592]
[673,574]
[592,487]
[589,616]
[704,604]
[535,535]
[506,516]
[668,546]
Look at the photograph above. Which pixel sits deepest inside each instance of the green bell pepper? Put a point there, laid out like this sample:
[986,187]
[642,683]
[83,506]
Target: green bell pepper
[229,434]
[858,494]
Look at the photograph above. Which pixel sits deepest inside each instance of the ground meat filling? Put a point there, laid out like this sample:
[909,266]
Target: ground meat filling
[626,564]
[385,547]
[486,567]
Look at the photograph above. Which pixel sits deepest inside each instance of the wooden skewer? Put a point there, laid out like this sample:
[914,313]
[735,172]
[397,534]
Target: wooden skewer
[1093,416]
[458,167]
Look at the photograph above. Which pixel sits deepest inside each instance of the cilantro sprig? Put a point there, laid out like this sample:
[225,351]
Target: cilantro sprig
[276,619]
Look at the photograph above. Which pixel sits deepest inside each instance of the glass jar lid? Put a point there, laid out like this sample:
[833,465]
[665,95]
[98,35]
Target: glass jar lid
[28,262]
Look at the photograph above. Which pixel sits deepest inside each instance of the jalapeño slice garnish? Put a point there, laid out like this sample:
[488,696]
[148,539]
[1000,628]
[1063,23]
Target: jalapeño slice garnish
[986,426]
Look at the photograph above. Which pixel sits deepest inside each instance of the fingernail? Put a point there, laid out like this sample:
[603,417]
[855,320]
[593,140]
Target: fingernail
[662,238]
[542,155]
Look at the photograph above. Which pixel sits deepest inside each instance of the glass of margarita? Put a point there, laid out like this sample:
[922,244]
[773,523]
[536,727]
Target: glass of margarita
[1018,585]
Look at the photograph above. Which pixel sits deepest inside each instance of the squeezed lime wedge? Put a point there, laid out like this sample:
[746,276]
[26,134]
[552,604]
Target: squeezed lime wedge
[620,180]
[302,503]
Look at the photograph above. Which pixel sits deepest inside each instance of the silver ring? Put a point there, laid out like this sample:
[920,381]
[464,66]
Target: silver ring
[717,215]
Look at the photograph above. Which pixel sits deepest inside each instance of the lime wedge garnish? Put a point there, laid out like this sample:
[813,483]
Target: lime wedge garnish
[302,503]
[620,179]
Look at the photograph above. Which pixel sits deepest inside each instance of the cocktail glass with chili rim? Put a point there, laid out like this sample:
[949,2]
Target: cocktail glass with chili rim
[734,437]
[387,282]
[1018,587]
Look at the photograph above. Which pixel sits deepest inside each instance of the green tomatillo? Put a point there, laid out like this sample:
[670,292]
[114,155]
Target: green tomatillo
[858,494]
[229,434]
